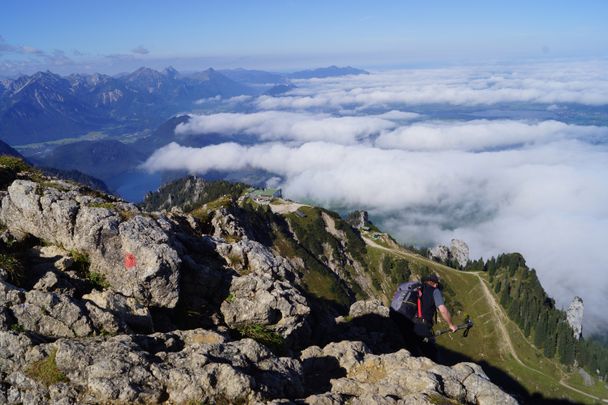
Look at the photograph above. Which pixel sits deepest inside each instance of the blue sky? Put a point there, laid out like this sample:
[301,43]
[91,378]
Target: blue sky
[85,35]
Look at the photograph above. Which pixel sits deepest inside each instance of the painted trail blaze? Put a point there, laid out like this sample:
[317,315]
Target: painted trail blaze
[130,261]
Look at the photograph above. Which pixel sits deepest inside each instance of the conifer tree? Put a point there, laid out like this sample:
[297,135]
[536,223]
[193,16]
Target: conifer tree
[540,332]
[565,343]
[550,342]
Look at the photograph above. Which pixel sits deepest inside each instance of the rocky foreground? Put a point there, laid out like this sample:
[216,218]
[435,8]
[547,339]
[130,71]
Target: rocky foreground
[109,304]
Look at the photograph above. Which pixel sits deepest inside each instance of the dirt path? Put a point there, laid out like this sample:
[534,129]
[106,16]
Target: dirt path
[285,207]
[497,312]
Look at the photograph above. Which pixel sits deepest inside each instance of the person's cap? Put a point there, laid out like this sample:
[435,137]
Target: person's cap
[432,277]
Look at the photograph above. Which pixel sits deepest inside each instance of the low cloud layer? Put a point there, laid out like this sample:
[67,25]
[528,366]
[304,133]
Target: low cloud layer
[533,186]
[582,83]
[277,125]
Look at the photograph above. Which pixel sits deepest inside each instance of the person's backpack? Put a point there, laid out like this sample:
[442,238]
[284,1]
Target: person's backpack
[405,300]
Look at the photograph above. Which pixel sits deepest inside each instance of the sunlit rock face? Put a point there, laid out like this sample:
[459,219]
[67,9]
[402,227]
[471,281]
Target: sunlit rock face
[458,252]
[574,315]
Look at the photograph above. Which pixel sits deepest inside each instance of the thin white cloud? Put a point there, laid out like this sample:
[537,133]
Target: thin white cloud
[483,134]
[275,125]
[140,50]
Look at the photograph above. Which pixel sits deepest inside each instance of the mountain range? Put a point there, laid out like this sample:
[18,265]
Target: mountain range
[45,106]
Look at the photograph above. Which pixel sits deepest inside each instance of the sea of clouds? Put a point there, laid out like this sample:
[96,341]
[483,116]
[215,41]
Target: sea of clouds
[417,150]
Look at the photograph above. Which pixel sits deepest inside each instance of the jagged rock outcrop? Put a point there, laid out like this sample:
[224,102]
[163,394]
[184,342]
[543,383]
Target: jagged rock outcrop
[195,365]
[134,254]
[369,378]
[201,365]
[265,294]
[358,219]
[457,252]
[251,256]
[574,316]
[440,253]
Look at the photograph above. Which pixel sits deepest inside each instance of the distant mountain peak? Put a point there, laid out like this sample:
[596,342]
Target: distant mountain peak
[330,71]
[170,71]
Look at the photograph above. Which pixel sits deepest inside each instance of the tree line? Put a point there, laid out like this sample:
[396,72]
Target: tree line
[528,305]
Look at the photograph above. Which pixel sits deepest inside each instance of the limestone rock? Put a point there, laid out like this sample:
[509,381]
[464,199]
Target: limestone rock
[373,306]
[459,251]
[574,316]
[10,295]
[52,281]
[251,256]
[112,370]
[164,367]
[133,254]
[13,351]
[395,377]
[50,314]
[440,253]
[358,219]
[127,310]
[259,299]
[478,387]
[226,225]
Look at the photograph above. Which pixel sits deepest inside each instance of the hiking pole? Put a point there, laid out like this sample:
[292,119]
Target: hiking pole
[467,325]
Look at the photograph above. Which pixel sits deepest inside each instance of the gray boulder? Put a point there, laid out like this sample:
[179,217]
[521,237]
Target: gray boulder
[400,378]
[176,367]
[131,251]
[368,307]
[124,311]
[50,314]
[14,348]
[262,300]
[247,256]
[10,295]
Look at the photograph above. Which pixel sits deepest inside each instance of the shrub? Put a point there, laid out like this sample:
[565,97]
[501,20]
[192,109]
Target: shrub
[16,272]
[98,280]
[105,204]
[81,261]
[45,371]
[264,335]
[17,328]
[14,163]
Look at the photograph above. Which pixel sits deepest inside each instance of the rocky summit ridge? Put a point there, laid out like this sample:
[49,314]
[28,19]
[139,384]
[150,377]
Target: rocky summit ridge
[101,302]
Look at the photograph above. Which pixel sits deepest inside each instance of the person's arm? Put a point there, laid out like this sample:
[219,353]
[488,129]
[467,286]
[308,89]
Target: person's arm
[445,314]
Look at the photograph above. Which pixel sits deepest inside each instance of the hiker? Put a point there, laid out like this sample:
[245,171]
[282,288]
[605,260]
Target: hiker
[414,308]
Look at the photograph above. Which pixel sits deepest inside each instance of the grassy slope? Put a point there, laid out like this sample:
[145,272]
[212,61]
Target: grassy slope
[486,344]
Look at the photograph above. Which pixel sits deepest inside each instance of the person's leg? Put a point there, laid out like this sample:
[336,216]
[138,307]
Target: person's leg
[429,349]
[426,340]
[406,327]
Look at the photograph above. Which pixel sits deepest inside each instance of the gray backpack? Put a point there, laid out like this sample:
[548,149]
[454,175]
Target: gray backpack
[405,300]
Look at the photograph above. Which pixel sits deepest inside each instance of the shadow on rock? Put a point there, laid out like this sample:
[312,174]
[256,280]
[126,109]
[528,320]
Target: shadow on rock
[318,373]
